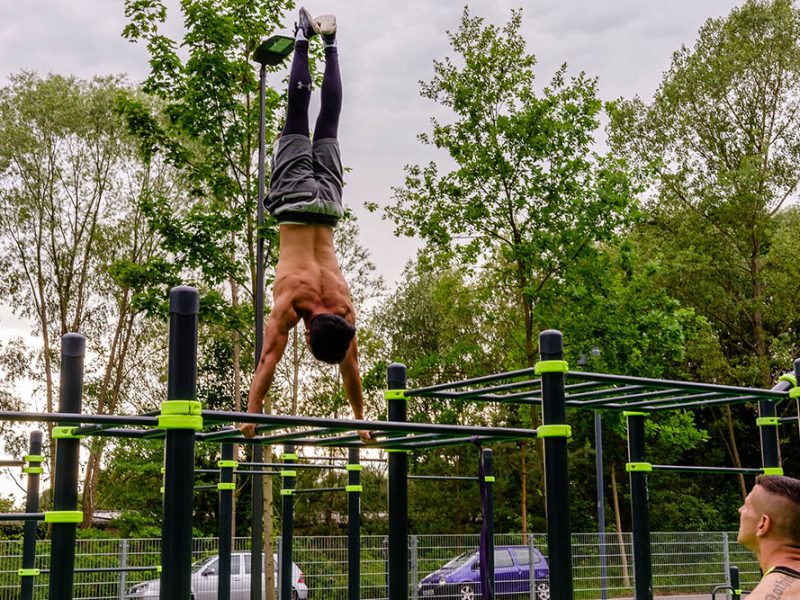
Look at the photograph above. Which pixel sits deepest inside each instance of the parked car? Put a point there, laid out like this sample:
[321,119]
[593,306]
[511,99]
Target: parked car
[205,580]
[459,579]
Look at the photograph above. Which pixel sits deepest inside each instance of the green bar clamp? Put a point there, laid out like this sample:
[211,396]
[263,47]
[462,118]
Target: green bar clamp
[227,464]
[230,486]
[489,478]
[768,421]
[288,473]
[162,490]
[354,467]
[388,450]
[287,492]
[772,471]
[633,413]
[29,572]
[552,431]
[65,433]
[33,470]
[639,467]
[158,569]
[63,516]
[738,592]
[394,395]
[181,414]
[794,392]
[550,366]
[790,378]
[163,470]
[33,458]
[289,456]
[351,489]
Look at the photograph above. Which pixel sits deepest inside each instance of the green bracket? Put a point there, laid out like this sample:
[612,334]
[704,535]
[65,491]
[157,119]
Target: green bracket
[738,592]
[29,572]
[794,392]
[63,516]
[639,467]
[352,489]
[633,413]
[162,490]
[489,478]
[287,492]
[65,433]
[553,431]
[790,378]
[227,464]
[158,569]
[772,471]
[768,421]
[33,470]
[33,458]
[550,366]
[289,456]
[288,473]
[181,414]
[229,487]
[394,395]
[354,467]
[389,450]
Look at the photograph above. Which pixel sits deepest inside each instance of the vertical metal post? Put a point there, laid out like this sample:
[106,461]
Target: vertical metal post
[33,471]
[531,569]
[123,574]
[226,487]
[398,490]
[287,522]
[414,549]
[726,557]
[559,549]
[736,583]
[353,525]
[176,532]
[65,488]
[642,567]
[768,432]
[257,480]
[601,502]
[488,517]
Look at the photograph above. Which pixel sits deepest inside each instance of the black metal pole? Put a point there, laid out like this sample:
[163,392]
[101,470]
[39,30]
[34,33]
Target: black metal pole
[768,432]
[180,417]
[642,566]
[65,516]
[287,523]
[226,488]
[353,525]
[488,473]
[257,480]
[398,490]
[555,433]
[736,584]
[601,501]
[28,572]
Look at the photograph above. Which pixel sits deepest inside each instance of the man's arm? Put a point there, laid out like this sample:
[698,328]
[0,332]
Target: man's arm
[351,378]
[276,336]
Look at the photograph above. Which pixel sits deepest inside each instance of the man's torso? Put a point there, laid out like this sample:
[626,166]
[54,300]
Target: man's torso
[778,585]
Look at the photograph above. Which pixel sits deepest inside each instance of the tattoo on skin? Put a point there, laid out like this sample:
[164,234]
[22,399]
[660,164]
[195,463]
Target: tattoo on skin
[779,587]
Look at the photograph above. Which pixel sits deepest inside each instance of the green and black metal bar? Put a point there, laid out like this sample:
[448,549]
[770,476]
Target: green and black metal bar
[226,488]
[555,432]
[180,417]
[353,525]
[65,515]
[288,477]
[487,483]
[398,488]
[637,455]
[28,571]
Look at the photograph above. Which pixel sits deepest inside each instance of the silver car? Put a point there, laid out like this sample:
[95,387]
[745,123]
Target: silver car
[205,580]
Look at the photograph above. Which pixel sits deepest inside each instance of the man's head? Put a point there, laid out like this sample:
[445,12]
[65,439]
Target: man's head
[329,337]
[771,511]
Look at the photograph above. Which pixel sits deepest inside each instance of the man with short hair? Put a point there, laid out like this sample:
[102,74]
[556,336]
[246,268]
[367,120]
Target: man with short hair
[305,197]
[769,525]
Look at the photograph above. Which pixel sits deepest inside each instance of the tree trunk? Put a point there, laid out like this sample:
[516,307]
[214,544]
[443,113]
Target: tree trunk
[737,461]
[626,580]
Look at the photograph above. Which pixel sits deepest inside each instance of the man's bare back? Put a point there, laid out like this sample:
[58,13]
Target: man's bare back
[777,586]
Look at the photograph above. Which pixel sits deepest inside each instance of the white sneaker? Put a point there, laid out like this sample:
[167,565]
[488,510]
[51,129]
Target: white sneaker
[326,25]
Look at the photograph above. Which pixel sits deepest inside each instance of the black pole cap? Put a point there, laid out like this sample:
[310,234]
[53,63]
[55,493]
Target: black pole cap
[184,300]
[551,342]
[36,437]
[396,376]
[73,344]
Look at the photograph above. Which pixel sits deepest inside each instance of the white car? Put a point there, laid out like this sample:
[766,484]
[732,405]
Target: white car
[205,580]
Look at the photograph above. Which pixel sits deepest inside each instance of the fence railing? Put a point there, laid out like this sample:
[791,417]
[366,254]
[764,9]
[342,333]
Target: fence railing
[684,563]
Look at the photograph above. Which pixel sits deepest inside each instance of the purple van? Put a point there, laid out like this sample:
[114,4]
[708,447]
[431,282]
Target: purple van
[459,579]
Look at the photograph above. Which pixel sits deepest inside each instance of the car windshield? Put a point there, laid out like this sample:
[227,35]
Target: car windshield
[460,560]
[202,563]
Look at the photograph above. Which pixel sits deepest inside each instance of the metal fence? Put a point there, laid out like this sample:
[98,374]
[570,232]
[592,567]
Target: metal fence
[684,563]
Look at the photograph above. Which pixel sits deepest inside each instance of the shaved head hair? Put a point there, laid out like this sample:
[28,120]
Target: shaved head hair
[782,504]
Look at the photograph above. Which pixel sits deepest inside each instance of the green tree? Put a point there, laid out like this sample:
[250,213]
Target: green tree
[526,188]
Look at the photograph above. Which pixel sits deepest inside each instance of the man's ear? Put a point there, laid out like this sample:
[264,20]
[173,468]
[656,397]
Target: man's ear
[764,525]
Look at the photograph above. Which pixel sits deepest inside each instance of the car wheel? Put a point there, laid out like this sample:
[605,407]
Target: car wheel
[294,595]
[543,591]
[466,592]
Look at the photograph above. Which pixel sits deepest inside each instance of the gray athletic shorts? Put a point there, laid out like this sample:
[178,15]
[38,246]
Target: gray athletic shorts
[306,183]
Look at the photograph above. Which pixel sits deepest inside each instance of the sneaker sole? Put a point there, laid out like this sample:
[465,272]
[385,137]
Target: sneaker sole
[310,20]
[326,24]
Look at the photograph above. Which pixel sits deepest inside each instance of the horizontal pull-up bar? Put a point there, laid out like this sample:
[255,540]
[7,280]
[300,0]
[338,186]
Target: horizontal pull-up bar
[444,477]
[35,417]
[21,517]
[317,490]
[647,467]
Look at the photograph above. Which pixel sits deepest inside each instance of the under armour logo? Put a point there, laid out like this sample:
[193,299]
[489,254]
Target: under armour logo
[304,86]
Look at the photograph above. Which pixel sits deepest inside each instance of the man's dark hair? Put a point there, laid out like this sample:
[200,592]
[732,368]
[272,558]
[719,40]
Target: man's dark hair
[788,488]
[330,336]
